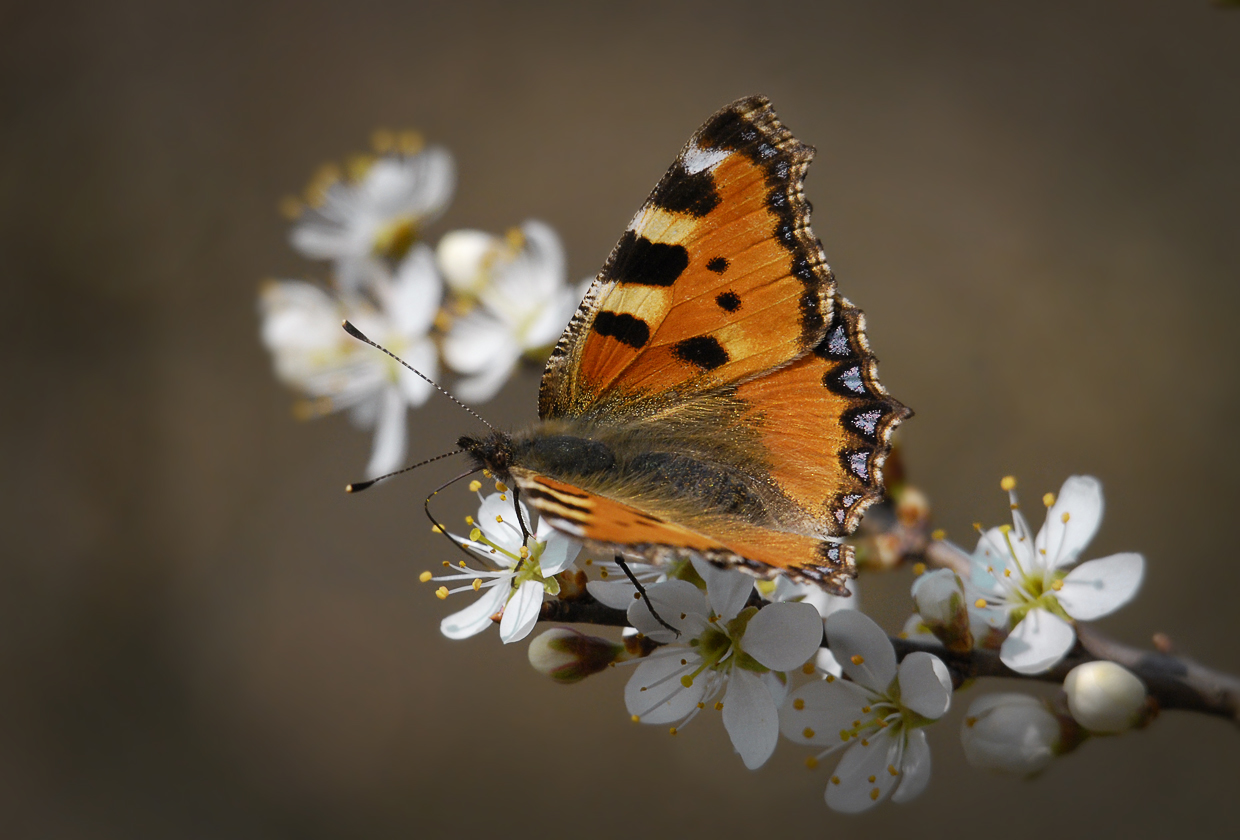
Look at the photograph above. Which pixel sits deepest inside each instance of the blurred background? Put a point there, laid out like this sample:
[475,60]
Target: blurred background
[202,636]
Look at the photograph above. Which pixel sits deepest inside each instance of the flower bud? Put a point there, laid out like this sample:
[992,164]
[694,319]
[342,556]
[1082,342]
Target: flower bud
[568,656]
[1105,697]
[1011,732]
[940,601]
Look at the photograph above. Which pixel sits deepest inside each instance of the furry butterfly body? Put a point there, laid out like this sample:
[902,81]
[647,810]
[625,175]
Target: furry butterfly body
[713,394]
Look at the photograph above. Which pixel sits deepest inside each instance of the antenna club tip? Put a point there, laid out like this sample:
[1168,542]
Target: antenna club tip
[352,330]
[357,487]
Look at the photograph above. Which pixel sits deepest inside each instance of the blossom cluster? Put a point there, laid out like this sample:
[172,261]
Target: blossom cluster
[475,303]
[774,658]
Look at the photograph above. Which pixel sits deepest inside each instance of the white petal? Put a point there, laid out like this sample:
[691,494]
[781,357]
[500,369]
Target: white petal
[477,616]
[783,636]
[679,603]
[389,447]
[478,389]
[1039,641]
[726,589]
[423,358]
[477,342]
[462,256]
[415,294]
[497,519]
[925,684]
[751,718]
[827,708]
[915,768]
[617,594]
[1081,499]
[1099,587]
[866,759]
[521,613]
[862,649]
[560,552]
[664,698]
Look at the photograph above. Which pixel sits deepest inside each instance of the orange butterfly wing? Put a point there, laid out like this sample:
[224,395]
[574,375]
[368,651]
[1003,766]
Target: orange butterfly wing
[615,525]
[718,277]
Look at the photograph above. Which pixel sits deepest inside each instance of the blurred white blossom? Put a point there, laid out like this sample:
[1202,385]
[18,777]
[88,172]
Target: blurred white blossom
[1022,585]
[312,354]
[726,655]
[376,212]
[877,715]
[519,302]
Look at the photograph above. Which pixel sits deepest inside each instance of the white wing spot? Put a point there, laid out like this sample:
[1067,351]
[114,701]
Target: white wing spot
[697,159]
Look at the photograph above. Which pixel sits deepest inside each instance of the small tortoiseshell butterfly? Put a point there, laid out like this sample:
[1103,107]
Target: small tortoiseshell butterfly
[713,394]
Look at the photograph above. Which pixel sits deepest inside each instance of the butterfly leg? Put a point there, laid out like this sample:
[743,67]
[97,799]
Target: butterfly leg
[516,503]
[641,590]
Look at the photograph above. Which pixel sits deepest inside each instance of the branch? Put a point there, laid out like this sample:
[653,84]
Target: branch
[1174,682]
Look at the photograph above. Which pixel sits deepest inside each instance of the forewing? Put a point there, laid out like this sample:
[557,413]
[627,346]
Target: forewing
[717,279]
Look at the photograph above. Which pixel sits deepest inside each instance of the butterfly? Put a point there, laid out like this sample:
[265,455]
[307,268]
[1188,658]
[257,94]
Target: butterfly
[713,394]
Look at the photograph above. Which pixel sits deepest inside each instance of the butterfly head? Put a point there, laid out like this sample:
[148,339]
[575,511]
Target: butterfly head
[494,451]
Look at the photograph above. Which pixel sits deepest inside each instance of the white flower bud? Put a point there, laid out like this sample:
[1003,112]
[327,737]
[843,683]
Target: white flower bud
[940,600]
[568,656]
[1104,696]
[463,256]
[1011,733]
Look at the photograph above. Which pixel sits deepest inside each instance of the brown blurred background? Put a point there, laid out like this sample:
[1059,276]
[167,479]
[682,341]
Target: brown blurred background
[201,636]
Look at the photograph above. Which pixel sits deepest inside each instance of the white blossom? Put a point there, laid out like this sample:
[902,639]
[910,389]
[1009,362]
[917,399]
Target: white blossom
[517,577]
[522,302]
[726,656]
[376,213]
[301,328]
[1023,584]
[877,716]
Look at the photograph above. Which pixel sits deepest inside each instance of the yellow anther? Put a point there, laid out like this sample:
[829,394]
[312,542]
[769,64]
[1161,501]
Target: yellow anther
[845,734]
[980,603]
[1007,572]
[808,733]
[424,577]
[835,780]
[865,743]
[475,534]
[799,704]
[1008,483]
[969,721]
[672,731]
[807,668]
[684,662]
[874,794]
[1005,529]
[891,768]
[486,473]
[503,497]
[938,534]
[477,584]
[856,724]
[865,710]
[683,616]
[469,520]
[604,574]
[1057,585]
[811,762]
[857,659]
[977,526]
[687,681]
[462,564]
[919,569]
[501,487]
[410,142]
[441,593]
[499,519]
[873,779]
[1048,499]
[635,718]
[1066,516]
[446,564]
[830,678]
[719,706]
[701,705]
[524,552]
[475,486]
[290,207]
[901,635]
[437,529]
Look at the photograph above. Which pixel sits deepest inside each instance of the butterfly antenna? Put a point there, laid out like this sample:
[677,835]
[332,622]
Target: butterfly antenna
[426,506]
[359,486]
[360,336]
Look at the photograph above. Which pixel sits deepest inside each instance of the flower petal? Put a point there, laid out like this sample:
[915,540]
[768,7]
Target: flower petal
[914,768]
[1098,587]
[678,602]
[415,293]
[388,450]
[817,712]
[925,684]
[751,718]
[477,616]
[497,520]
[865,760]
[862,649]
[473,390]
[1039,641]
[783,636]
[726,589]
[617,594]
[655,692]
[423,357]
[560,552]
[521,612]
[1060,542]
